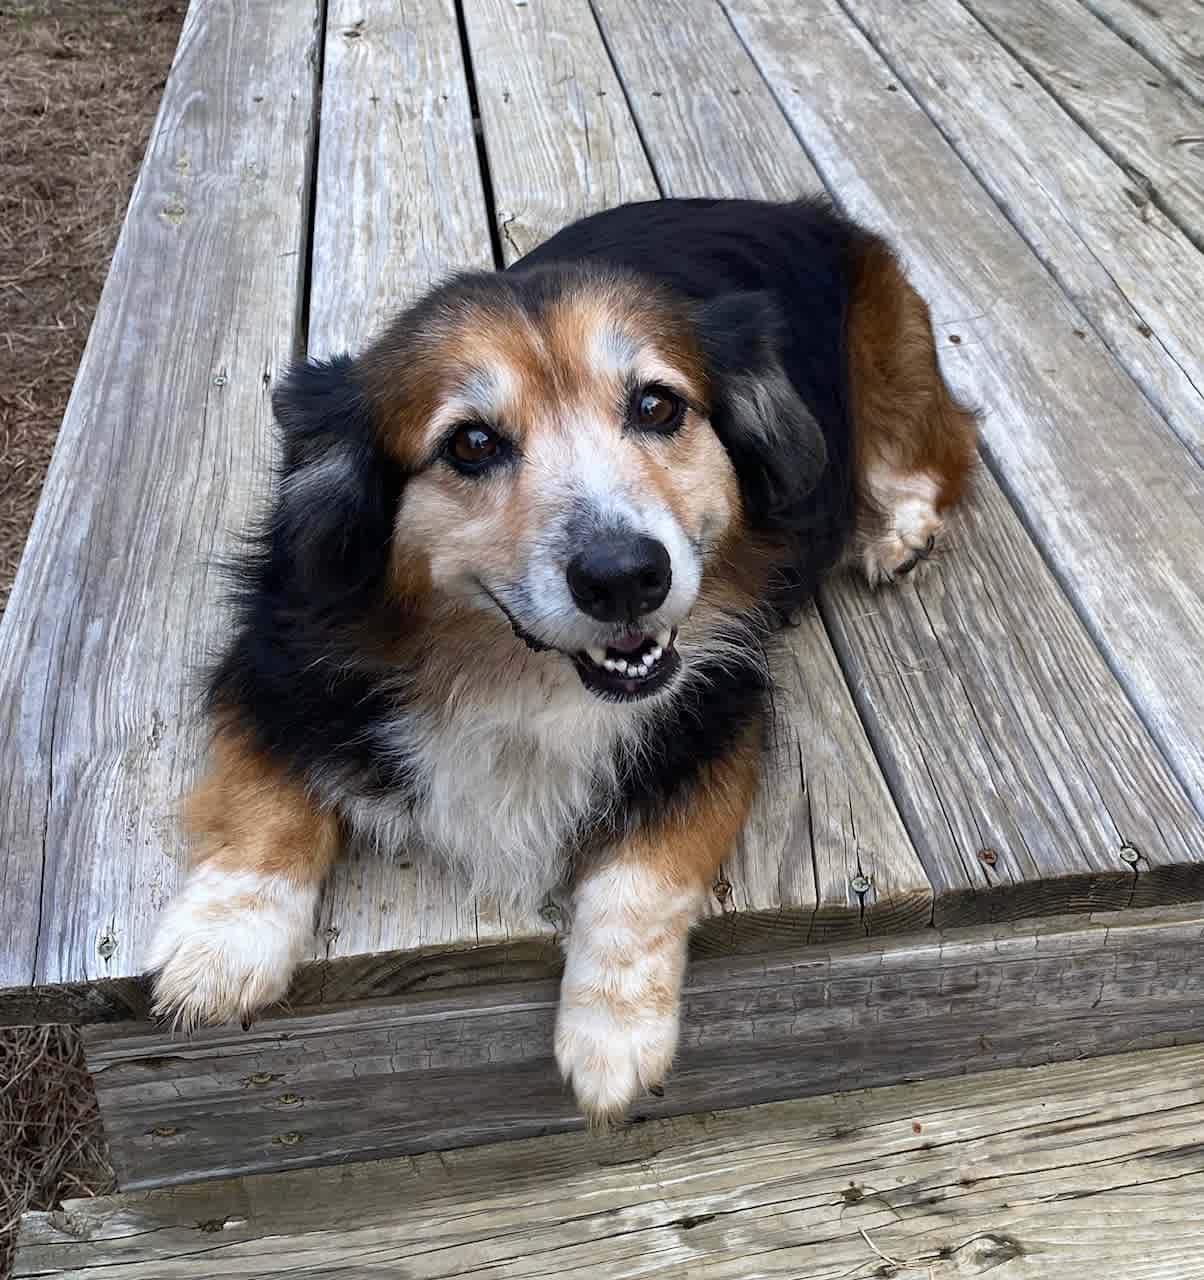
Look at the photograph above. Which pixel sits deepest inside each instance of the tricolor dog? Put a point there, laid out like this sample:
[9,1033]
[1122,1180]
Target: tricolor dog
[515,601]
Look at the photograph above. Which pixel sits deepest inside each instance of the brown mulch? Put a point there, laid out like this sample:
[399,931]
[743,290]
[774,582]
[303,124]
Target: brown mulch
[51,1146]
[80,82]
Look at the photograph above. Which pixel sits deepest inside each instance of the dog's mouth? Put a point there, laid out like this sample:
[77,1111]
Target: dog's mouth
[634,665]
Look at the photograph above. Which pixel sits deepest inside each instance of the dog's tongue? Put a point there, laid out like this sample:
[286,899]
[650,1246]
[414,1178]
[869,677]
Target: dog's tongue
[628,642]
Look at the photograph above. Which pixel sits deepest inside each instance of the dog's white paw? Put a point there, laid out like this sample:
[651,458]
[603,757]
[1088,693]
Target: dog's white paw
[913,528]
[613,1054]
[228,944]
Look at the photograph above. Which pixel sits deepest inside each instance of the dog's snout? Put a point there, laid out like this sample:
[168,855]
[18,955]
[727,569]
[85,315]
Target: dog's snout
[620,578]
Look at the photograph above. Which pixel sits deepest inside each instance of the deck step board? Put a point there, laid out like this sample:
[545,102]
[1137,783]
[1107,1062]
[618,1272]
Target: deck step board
[459,1068]
[1040,1173]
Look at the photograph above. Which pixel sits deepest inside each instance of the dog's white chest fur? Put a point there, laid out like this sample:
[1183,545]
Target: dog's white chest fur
[502,785]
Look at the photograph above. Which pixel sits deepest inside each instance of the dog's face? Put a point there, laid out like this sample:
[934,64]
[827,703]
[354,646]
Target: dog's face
[558,440]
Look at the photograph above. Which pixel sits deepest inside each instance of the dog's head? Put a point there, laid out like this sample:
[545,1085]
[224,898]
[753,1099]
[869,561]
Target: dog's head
[580,453]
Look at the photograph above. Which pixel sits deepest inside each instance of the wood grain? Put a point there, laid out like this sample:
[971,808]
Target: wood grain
[443,1070]
[1170,35]
[562,143]
[163,449]
[1019,766]
[1134,275]
[1062,1171]
[399,202]
[1109,495]
[1145,121]
[558,134]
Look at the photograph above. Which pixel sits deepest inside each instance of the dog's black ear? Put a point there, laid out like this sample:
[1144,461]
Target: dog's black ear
[774,441]
[338,490]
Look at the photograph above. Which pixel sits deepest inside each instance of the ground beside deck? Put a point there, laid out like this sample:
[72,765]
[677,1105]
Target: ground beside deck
[1018,735]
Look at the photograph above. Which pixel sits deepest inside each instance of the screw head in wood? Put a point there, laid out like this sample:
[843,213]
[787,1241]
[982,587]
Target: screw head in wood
[861,884]
[1129,854]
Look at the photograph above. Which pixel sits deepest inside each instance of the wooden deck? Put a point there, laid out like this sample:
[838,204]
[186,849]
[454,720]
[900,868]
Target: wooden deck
[1051,1174]
[1019,735]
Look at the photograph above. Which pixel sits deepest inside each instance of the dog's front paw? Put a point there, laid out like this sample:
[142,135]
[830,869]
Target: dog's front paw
[611,1053]
[227,945]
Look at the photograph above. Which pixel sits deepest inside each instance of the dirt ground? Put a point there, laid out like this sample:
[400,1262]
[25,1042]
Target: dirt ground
[80,82]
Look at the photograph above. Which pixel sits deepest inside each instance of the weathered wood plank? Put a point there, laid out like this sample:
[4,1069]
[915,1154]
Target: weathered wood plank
[1041,1174]
[1109,495]
[1127,267]
[163,447]
[449,1069]
[1146,122]
[560,140]
[399,201]
[562,143]
[1018,763]
[1170,35]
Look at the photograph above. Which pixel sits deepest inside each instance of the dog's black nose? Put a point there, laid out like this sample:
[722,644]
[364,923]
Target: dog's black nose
[620,578]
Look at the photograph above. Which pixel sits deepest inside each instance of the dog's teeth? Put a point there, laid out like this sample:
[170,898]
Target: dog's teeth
[597,656]
[610,664]
[655,655]
[662,638]
[623,668]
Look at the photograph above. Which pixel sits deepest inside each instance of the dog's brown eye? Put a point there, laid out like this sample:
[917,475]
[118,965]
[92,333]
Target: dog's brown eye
[655,409]
[473,446]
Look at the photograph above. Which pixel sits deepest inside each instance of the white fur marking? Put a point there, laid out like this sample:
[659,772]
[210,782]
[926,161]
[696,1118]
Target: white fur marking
[228,943]
[485,392]
[615,1035]
[507,772]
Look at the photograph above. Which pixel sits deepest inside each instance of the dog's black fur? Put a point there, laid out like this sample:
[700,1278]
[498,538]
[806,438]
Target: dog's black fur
[769,285]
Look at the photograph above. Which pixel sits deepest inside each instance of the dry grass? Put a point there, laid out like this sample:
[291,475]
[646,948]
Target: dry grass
[51,1145]
[80,81]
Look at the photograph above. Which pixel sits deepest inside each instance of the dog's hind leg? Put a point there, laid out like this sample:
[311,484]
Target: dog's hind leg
[915,445]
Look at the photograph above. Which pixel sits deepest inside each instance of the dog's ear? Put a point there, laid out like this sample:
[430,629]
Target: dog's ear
[775,444]
[338,490]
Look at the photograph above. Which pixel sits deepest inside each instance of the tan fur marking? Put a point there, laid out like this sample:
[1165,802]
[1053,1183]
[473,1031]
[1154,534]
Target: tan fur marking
[687,846]
[907,423]
[252,816]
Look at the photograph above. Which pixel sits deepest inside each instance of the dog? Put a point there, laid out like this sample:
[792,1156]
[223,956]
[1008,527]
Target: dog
[517,596]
